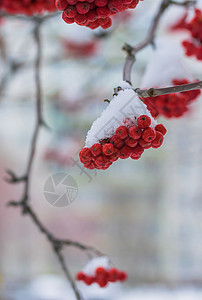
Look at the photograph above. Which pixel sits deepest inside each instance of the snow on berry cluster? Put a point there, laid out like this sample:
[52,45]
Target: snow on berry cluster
[98,271]
[125,129]
[93,13]
[171,105]
[193,47]
[27,7]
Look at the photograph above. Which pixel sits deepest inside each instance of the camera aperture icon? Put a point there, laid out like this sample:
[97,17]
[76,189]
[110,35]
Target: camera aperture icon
[60,189]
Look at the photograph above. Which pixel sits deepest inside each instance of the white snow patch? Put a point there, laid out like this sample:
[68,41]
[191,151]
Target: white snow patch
[125,85]
[125,105]
[165,65]
[93,264]
[191,11]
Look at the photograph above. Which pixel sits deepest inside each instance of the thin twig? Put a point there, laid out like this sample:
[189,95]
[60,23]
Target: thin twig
[169,90]
[149,40]
[24,204]
[185,3]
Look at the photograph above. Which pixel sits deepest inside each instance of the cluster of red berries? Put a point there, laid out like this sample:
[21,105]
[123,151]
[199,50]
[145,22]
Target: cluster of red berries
[102,276]
[128,141]
[27,7]
[172,105]
[181,24]
[81,49]
[194,46]
[93,13]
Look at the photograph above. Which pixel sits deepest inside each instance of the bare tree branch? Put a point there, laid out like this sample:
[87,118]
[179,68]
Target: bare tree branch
[57,244]
[149,40]
[169,90]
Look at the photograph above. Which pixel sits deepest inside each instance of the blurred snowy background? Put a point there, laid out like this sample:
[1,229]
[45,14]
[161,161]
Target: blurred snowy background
[146,215]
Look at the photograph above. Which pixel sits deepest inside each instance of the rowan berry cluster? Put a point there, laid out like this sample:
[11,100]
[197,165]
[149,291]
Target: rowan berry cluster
[181,24]
[81,49]
[172,105]
[93,13]
[193,47]
[28,7]
[129,140]
[102,276]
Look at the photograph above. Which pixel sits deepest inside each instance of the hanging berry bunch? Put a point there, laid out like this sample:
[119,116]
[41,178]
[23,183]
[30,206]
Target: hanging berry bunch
[99,271]
[173,105]
[28,7]
[93,13]
[181,24]
[83,49]
[193,47]
[122,131]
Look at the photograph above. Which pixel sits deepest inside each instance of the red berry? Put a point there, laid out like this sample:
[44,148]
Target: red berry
[61,4]
[125,152]
[102,282]
[127,2]
[85,155]
[101,3]
[100,271]
[161,129]
[144,121]
[130,142]
[101,161]
[80,19]
[135,156]
[72,2]
[144,144]
[89,280]
[90,165]
[91,16]
[101,277]
[108,149]
[133,4]
[93,25]
[70,11]
[80,276]
[158,141]
[122,132]
[138,150]
[103,11]
[122,276]
[149,134]
[66,19]
[115,155]
[135,132]
[107,24]
[83,7]
[115,5]
[113,275]
[116,141]
[102,21]
[96,149]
